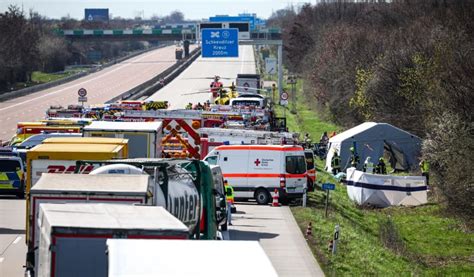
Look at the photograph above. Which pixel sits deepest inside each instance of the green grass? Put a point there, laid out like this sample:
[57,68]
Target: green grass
[430,242]
[41,77]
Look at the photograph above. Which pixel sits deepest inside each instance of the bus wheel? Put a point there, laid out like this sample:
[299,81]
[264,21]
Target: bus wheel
[262,196]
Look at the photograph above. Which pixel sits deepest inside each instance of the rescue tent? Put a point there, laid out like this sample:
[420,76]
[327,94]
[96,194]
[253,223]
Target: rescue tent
[376,140]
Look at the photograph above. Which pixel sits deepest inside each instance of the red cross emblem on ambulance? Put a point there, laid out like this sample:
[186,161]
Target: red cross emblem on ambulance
[257,162]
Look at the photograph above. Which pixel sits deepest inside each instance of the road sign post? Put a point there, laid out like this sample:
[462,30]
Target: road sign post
[284,98]
[335,239]
[82,92]
[270,66]
[220,43]
[327,187]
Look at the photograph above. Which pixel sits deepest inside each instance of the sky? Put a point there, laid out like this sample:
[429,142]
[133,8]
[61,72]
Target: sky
[192,9]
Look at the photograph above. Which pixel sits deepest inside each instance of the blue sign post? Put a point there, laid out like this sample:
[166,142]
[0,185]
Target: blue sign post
[220,43]
[327,187]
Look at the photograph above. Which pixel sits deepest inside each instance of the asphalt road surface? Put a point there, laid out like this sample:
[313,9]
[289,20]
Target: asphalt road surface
[12,236]
[198,77]
[101,86]
[280,237]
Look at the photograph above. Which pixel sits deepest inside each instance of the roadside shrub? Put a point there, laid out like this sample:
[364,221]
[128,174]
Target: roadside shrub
[450,148]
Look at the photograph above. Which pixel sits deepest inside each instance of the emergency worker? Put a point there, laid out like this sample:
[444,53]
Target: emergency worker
[189,106]
[381,167]
[229,196]
[336,163]
[354,158]
[215,86]
[425,169]
[368,166]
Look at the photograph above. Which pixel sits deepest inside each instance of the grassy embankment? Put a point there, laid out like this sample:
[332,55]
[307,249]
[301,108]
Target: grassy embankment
[398,241]
[38,77]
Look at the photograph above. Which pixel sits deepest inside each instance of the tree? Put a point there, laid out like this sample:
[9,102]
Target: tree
[18,51]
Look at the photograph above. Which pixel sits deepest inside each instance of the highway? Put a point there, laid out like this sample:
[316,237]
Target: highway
[101,86]
[12,236]
[198,77]
[274,228]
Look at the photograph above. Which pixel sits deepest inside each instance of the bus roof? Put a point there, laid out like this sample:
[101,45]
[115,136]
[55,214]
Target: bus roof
[123,126]
[75,148]
[261,147]
[51,127]
[87,140]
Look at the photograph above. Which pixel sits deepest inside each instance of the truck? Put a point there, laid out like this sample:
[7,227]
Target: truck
[61,159]
[248,83]
[144,138]
[73,236]
[201,258]
[176,180]
[89,140]
[256,171]
[82,188]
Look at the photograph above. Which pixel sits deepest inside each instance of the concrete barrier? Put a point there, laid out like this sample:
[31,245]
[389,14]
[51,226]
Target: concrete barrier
[159,81]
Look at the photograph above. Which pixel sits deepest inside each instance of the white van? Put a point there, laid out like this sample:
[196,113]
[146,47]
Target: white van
[248,101]
[255,171]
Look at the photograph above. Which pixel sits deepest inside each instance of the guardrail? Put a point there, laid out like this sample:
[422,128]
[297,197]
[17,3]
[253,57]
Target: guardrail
[21,92]
[159,81]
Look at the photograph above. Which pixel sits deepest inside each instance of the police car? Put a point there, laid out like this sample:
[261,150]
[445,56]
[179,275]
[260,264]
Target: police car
[12,177]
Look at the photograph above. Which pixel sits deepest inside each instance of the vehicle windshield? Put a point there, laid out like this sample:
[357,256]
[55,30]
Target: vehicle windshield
[32,141]
[212,160]
[295,164]
[9,165]
[309,160]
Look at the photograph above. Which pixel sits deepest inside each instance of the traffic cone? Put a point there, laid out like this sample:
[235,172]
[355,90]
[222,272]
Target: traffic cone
[309,230]
[275,199]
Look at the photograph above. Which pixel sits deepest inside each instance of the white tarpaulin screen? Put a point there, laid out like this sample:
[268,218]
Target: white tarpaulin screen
[385,190]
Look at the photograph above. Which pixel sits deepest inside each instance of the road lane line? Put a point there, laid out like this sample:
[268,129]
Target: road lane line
[242,61]
[68,87]
[16,240]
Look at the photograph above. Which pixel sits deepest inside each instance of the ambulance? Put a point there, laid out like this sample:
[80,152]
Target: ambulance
[255,171]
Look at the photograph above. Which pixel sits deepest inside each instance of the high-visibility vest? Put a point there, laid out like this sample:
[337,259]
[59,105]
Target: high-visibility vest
[336,162]
[425,166]
[229,194]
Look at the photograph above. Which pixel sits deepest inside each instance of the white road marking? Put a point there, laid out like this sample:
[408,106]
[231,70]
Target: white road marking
[242,61]
[68,87]
[2,259]
[16,240]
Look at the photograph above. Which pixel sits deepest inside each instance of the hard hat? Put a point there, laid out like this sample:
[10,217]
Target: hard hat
[380,159]
[352,148]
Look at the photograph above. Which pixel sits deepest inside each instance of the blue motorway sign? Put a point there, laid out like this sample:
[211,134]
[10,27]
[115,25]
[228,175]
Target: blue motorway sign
[220,43]
[329,186]
[96,14]
[226,18]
